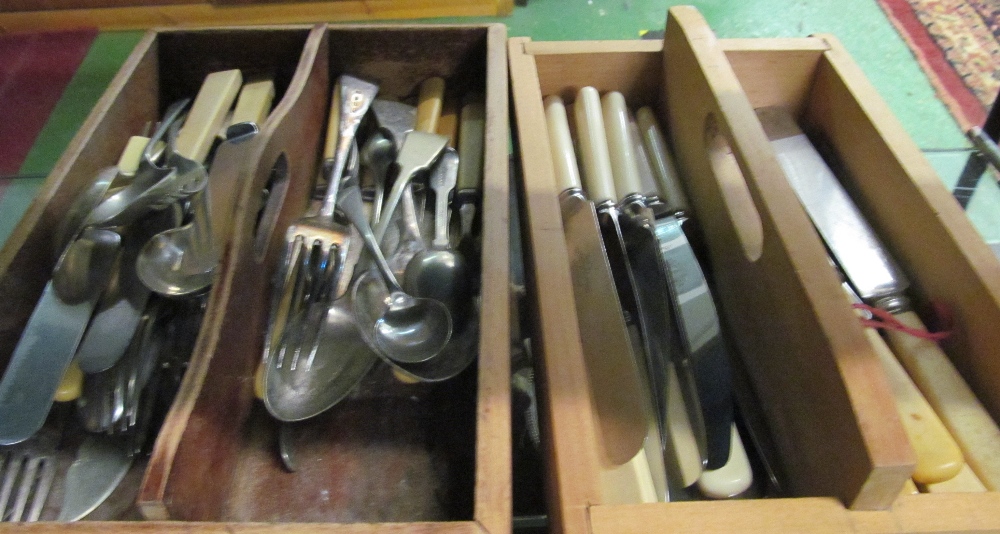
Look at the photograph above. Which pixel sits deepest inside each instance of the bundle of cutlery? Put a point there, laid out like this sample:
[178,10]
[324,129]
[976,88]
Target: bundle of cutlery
[372,271]
[116,325]
[656,358]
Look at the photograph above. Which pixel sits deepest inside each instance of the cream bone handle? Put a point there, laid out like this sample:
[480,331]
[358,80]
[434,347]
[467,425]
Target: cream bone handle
[208,114]
[938,456]
[660,158]
[624,167]
[471,140]
[646,176]
[254,102]
[429,103]
[732,479]
[951,397]
[253,105]
[596,172]
[561,145]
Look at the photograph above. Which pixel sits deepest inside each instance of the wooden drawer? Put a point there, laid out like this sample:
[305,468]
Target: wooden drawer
[214,459]
[815,377]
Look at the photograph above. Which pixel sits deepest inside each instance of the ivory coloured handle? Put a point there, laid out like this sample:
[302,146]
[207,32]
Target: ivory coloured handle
[596,171]
[561,144]
[624,168]
[938,456]
[671,192]
[950,396]
[208,114]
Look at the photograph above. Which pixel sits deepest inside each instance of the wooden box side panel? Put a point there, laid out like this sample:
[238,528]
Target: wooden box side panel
[829,405]
[566,415]
[190,464]
[494,476]
[898,190]
[29,255]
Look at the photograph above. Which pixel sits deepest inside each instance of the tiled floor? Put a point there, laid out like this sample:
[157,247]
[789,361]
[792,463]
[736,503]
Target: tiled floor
[859,24]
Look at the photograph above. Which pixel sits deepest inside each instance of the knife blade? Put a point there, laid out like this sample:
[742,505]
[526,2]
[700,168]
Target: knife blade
[45,350]
[612,365]
[875,277]
[100,465]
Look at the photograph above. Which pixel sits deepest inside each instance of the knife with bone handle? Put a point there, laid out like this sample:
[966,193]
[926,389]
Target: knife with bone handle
[662,162]
[736,476]
[939,457]
[612,365]
[672,292]
[599,187]
[879,282]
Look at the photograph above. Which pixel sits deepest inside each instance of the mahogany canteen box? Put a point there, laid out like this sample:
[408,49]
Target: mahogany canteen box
[804,367]
[419,456]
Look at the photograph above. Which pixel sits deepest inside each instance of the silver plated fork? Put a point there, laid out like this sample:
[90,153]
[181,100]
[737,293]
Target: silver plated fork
[27,471]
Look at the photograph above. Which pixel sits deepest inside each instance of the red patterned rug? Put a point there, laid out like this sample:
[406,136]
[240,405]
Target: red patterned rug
[957,42]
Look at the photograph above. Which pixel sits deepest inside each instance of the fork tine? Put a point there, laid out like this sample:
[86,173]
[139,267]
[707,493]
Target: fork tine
[29,474]
[10,468]
[45,479]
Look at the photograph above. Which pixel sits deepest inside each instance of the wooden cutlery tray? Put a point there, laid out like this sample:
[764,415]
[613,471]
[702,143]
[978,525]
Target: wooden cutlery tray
[422,457]
[812,371]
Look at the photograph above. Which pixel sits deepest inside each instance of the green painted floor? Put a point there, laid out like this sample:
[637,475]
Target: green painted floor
[859,24]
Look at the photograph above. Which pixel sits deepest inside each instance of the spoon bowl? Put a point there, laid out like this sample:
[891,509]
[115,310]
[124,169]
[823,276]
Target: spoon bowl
[181,261]
[369,295]
[317,364]
[85,265]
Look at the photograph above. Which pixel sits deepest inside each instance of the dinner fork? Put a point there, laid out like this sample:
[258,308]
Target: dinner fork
[27,471]
[315,282]
[316,245]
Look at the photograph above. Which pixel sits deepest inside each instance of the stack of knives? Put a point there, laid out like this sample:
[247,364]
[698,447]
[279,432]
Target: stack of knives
[658,364]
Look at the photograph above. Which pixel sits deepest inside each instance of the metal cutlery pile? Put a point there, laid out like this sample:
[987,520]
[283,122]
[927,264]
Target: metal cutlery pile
[116,325]
[371,272]
[648,320]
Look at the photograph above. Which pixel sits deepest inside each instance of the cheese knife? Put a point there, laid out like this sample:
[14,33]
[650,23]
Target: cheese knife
[875,277]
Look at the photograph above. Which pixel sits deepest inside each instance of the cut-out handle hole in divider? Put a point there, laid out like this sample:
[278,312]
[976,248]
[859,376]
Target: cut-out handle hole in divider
[735,193]
[269,206]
